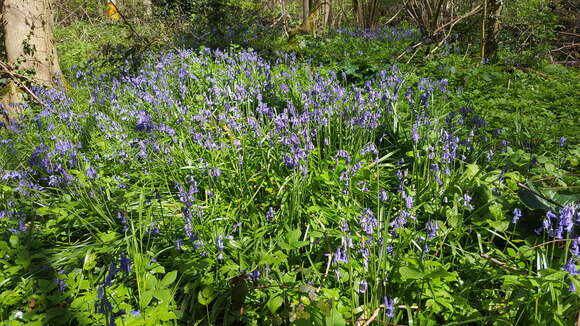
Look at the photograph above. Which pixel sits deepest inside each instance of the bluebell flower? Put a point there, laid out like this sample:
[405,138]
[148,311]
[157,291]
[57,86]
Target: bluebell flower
[570,266]
[21,225]
[100,292]
[125,263]
[363,286]
[220,246]
[383,196]
[270,214]
[135,313]
[92,173]
[368,221]
[572,287]
[562,141]
[432,227]
[466,201]
[110,274]
[255,275]
[389,306]
[415,134]
[144,122]
[215,173]
[517,213]
[575,247]
[60,282]
[566,219]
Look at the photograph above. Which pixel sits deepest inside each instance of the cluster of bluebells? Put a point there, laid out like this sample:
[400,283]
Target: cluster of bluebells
[564,226]
[185,109]
[560,225]
[104,305]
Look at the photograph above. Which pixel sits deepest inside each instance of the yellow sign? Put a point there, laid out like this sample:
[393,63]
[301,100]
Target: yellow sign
[111,11]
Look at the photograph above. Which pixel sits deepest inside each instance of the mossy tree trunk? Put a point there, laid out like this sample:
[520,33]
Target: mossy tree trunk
[490,29]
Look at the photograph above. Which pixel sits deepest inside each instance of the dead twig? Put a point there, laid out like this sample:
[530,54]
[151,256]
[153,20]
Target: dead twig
[555,177]
[500,263]
[548,242]
[375,314]
[561,188]
[568,33]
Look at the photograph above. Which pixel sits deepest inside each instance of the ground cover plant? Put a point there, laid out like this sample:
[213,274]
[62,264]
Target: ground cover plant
[217,187]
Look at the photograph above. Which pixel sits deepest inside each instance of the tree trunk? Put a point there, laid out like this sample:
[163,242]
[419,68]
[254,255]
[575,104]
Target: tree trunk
[148,8]
[29,44]
[306,15]
[491,29]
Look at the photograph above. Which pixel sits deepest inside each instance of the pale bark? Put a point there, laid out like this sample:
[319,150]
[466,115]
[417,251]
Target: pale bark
[29,44]
[148,8]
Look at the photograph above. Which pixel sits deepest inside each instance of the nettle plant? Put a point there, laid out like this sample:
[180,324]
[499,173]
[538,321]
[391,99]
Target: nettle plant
[215,187]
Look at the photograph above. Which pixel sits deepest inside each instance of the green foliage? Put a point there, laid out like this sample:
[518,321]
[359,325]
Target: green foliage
[528,31]
[215,187]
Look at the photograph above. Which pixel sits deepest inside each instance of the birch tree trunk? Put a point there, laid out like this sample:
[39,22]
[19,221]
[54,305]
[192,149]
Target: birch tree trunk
[30,47]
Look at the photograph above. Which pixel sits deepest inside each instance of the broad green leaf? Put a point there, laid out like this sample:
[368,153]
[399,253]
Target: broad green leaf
[335,319]
[169,278]
[146,298]
[275,303]
[166,315]
[206,295]
[293,236]
[410,273]
[150,281]
[163,295]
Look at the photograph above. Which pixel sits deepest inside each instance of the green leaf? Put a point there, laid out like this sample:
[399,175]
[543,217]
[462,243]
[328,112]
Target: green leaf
[410,273]
[206,295]
[166,315]
[90,261]
[293,236]
[275,303]
[150,282]
[162,295]
[108,237]
[500,226]
[335,319]
[146,298]
[169,278]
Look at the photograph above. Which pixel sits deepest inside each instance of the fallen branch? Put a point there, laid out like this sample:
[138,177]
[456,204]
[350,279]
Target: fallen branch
[447,33]
[16,78]
[568,33]
[458,19]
